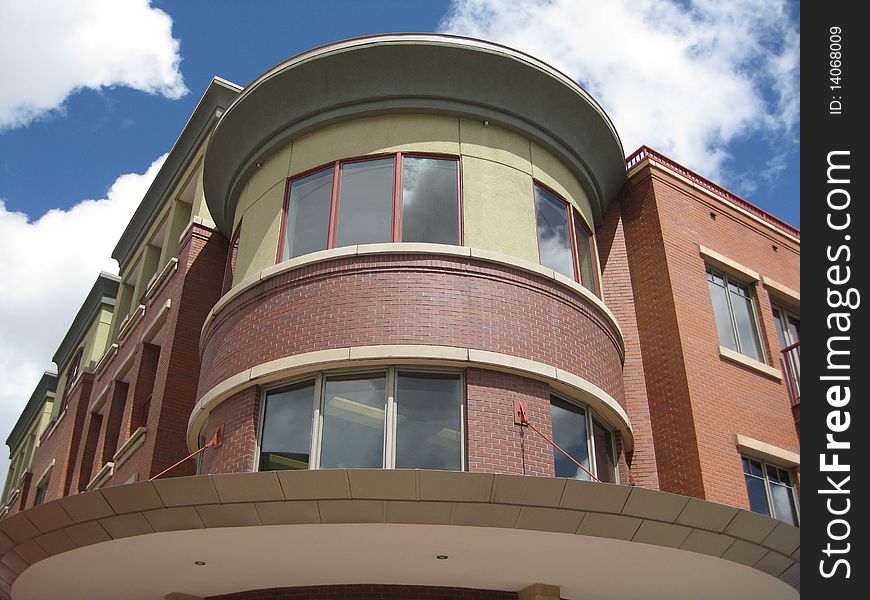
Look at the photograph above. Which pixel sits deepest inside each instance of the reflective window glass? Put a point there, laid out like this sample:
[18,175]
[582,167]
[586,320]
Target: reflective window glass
[570,432]
[585,255]
[430,211]
[286,439]
[554,237]
[428,422]
[365,213]
[605,461]
[307,225]
[353,422]
[734,310]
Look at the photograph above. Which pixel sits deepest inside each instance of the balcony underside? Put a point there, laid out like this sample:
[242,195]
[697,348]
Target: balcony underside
[301,528]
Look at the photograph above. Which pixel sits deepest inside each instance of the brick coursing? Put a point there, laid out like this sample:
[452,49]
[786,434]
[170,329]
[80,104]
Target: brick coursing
[442,301]
[619,296]
[698,400]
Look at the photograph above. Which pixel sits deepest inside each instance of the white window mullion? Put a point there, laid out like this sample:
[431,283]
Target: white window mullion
[390,421]
[316,424]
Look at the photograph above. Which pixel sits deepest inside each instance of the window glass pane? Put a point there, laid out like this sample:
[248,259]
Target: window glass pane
[286,440]
[366,205]
[554,242]
[604,459]
[755,468]
[308,214]
[430,211]
[723,316]
[780,331]
[794,329]
[757,495]
[783,503]
[569,431]
[428,427]
[353,422]
[585,256]
[743,315]
[773,474]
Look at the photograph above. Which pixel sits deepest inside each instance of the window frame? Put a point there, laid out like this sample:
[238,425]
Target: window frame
[770,504]
[396,200]
[591,416]
[784,315]
[572,214]
[756,317]
[391,374]
[72,374]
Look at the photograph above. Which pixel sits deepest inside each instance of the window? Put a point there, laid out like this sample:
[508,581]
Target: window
[397,198]
[71,373]
[736,320]
[771,491]
[385,419]
[579,433]
[41,491]
[788,330]
[565,244]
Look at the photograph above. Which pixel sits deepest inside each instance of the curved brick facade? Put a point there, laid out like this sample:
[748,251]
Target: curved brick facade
[413,299]
[493,444]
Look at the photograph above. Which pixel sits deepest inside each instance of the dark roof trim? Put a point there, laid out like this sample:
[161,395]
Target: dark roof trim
[104,291]
[217,98]
[47,385]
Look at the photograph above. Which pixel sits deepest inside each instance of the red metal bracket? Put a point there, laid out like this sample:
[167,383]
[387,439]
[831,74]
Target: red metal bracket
[520,411]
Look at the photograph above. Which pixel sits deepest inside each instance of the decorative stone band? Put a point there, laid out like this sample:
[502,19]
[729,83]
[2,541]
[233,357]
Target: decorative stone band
[298,365]
[554,514]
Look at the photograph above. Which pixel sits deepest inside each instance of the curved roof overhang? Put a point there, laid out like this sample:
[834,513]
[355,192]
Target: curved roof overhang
[412,73]
[299,528]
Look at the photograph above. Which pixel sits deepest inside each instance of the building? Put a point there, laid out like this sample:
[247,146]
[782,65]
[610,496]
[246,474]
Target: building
[364,294]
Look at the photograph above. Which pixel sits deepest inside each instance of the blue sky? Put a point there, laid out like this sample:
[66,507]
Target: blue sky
[98,92]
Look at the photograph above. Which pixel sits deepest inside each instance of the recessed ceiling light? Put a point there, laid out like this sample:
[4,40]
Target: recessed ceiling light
[441,556]
[199,562]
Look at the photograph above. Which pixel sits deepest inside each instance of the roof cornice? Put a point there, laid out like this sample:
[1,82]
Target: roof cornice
[104,292]
[412,73]
[217,97]
[47,385]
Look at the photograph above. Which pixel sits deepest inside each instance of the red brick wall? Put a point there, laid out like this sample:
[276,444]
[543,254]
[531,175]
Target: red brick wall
[173,377]
[62,445]
[619,296]
[239,416]
[673,429]
[494,443]
[698,400]
[368,592]
[404,299]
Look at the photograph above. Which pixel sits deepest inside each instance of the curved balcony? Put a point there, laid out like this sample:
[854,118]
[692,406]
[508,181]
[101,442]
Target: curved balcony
[412,304]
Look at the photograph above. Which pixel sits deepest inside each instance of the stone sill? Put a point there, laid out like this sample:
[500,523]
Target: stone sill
[745,361]
[129,447]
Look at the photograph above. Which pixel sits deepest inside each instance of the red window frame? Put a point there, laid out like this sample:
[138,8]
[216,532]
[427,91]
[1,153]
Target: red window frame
[396,201]
[572,215]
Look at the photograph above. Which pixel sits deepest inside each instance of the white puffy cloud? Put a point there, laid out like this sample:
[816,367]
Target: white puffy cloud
[47,269]
[52,48]
[688,78]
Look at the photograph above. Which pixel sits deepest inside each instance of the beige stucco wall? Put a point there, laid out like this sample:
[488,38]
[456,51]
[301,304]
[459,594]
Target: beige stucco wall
[498,171]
